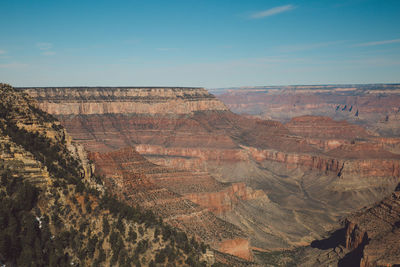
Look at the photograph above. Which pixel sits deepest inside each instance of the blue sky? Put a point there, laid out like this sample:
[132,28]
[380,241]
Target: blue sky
[217,43]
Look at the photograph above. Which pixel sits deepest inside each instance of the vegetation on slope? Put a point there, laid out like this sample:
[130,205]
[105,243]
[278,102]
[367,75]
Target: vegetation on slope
[52,215]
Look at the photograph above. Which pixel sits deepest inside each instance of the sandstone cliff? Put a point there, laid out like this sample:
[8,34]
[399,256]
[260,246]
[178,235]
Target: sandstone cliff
[103,100]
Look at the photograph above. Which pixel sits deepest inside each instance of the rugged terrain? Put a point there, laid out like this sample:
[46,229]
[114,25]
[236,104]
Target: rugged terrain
[169,194]
[375,232]
[258,184]
[368,237]
[55,212]
[375,106]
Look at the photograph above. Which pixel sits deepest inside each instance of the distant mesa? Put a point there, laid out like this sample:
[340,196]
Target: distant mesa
[369,102]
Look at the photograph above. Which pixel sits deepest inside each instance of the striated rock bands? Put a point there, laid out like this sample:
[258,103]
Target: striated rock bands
[66,101]
[55,212]
[283,185]
[375,106]
[325,128]
[153,187]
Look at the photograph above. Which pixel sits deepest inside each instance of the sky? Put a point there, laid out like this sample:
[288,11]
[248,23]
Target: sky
[216,43]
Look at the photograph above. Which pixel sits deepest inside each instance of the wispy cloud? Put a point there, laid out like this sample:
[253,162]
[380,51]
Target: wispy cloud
[46,49]
[374,61]
[384,42]
[44,46]
[271,11]
[48,53]
[13,65]
[304,47]
[165,49]
[2,52]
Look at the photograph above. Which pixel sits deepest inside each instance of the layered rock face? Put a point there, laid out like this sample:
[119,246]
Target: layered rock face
[283,185]
[326,128]
[375,106]
[103,100]
[184,199]
[54,211]
[137,180]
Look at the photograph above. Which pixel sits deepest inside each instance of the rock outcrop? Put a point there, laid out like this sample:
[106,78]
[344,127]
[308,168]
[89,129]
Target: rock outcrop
[375,233]
[369,237]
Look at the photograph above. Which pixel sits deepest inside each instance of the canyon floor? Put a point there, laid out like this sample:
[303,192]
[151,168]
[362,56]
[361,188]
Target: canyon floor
[254,185]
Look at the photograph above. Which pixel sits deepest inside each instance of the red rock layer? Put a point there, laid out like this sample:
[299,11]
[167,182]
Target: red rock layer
[325,128]
[237,246]
[340,163]
[138,181]
[373,102]
[225,200]
[305,162]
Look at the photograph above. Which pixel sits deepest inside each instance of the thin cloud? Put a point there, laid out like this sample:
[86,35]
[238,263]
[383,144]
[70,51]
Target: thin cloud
[304,47]
[271,11]
[46,49]
[44,46]
[13,65]
[2,52]
[48,53]
[379,43]
[165,49]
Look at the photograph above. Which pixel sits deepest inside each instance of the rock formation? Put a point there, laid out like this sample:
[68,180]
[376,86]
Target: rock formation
[139,181]
[369,237]
[104,100]
[368,104]
[282,185]
[375,232]
[55,212]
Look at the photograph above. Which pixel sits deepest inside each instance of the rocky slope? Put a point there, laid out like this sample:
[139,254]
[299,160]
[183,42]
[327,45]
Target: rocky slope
[156,188]
[265,177]
[375,233]
[369,237]
[55,212]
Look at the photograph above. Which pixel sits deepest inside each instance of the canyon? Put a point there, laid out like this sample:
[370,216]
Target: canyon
[374,106]
[240,183]
[56,212]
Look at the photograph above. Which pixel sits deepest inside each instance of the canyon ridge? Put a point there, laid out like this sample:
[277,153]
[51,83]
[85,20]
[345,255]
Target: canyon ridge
[274,179]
